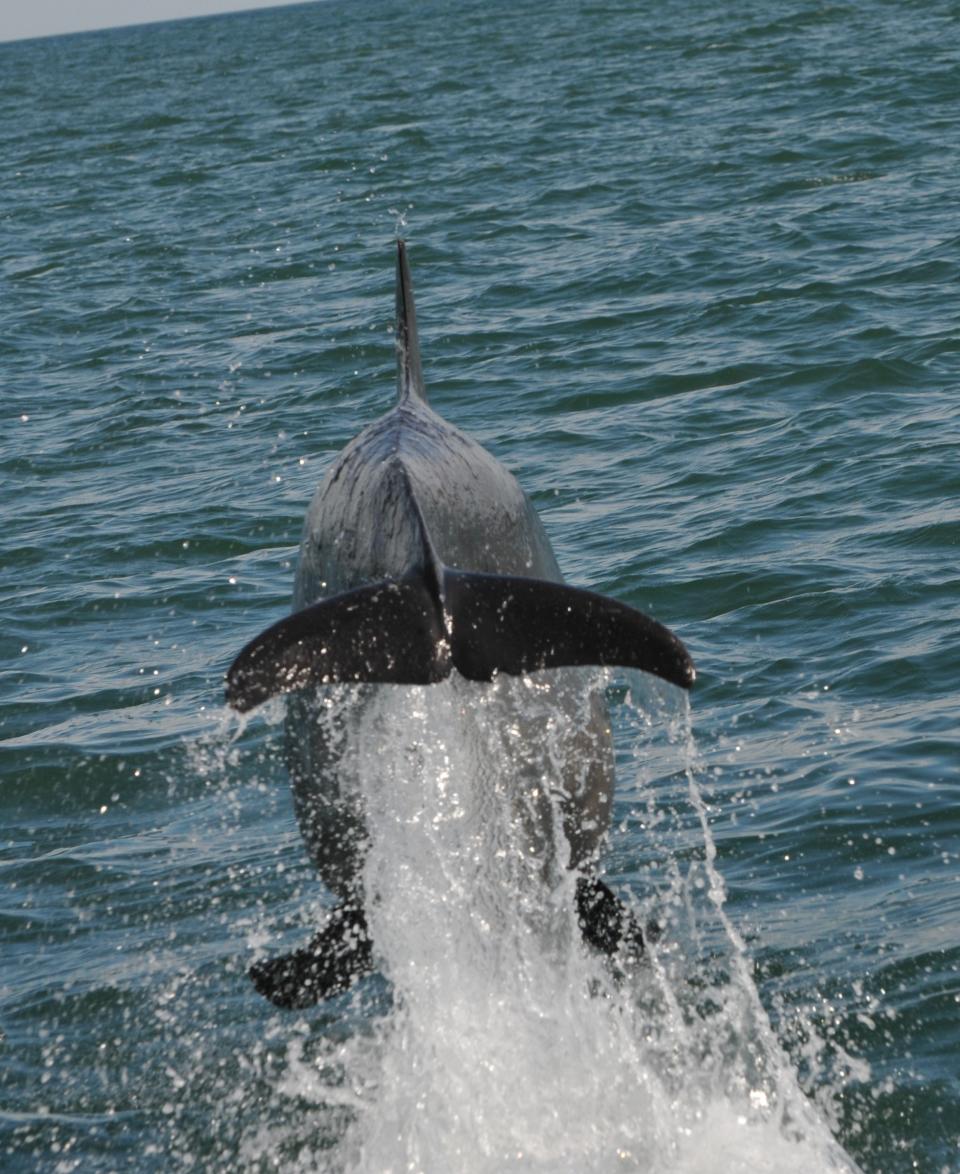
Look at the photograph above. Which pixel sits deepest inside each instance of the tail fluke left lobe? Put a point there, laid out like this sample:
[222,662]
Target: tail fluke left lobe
[390,633]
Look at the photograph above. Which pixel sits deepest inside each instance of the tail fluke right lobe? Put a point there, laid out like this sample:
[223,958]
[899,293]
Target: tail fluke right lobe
[511,624]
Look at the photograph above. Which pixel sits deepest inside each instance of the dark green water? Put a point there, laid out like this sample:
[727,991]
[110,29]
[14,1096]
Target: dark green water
[691,272]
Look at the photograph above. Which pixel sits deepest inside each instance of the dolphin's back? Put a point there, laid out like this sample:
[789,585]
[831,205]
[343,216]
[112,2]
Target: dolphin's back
[412,474]
[421,554]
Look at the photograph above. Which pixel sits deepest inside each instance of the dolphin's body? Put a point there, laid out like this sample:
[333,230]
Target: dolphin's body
[422,555]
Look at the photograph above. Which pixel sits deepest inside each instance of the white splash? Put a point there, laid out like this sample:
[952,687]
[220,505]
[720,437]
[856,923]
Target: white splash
[508,1046]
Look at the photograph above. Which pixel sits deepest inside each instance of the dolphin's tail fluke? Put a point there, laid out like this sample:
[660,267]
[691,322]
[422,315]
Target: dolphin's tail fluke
[409,368]
[415,632]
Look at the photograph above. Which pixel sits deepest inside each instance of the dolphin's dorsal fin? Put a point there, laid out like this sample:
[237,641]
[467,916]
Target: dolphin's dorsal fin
[409,369]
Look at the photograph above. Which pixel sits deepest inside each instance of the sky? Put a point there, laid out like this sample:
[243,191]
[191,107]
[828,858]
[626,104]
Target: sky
[43,18]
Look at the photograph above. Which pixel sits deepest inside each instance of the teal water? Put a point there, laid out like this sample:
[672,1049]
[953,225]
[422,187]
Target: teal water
[690,272]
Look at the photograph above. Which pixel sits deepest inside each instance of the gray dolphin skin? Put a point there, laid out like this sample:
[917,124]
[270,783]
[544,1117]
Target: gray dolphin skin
[422,556]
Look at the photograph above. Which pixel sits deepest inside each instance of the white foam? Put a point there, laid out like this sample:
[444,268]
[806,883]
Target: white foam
[509,1047]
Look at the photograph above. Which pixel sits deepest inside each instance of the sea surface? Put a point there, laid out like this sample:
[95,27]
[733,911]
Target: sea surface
[691,272]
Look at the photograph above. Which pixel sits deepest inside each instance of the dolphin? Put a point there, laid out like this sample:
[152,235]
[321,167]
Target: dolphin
[422,556]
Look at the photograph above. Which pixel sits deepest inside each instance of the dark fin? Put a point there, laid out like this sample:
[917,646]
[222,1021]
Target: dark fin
[517,625]
[389,633]
[393,633]
[605,922]
[340,954]
[409,368]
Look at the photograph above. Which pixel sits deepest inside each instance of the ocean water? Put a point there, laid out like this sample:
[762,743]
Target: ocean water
[690,271]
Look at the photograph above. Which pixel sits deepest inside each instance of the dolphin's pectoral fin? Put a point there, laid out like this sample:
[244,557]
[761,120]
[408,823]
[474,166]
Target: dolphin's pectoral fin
[390,633]
[517,625]
[340,954]
[605,922]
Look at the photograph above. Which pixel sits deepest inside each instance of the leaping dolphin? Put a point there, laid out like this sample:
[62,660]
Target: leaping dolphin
[422,556]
